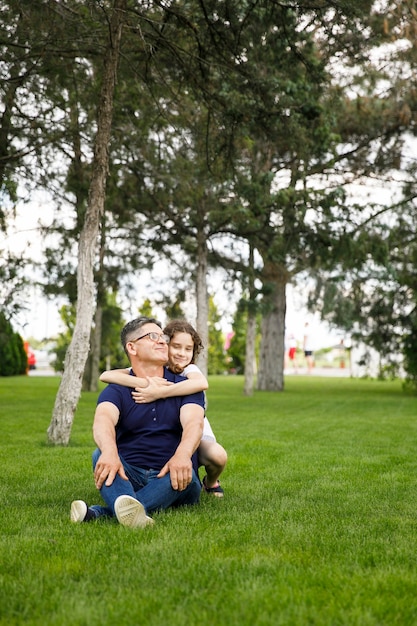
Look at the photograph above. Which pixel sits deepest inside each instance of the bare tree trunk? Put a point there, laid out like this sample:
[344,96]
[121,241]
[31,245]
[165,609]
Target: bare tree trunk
[96,349]
[91,381]
[70,388]
[202,302]
[271,359]
[250,354]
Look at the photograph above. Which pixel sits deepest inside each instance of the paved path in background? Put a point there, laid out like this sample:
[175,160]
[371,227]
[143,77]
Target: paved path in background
[43,371]
[331,372]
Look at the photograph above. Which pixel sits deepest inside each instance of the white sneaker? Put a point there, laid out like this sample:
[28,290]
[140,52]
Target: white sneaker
[130,512]
[78,511]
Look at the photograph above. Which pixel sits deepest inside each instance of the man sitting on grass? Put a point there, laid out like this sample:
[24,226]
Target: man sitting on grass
[145,459]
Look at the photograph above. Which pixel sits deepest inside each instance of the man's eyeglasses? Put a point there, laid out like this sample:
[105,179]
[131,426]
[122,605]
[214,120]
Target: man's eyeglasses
[156,337]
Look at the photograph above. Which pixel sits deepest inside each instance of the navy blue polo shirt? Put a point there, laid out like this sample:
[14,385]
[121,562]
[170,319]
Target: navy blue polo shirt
[147,435]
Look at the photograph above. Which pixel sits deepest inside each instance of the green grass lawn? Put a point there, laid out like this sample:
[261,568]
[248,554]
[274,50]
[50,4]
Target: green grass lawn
[318,525]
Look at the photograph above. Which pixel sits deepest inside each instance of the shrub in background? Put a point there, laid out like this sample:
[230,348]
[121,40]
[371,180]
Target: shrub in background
[13,357]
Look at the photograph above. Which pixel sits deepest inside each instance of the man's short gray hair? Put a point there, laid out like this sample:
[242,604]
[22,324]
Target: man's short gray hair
[130,331]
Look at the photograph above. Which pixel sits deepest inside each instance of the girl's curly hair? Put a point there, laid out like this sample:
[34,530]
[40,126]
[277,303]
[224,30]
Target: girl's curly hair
[182,326]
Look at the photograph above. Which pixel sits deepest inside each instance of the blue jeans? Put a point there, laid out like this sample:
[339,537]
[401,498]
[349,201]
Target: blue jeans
[154,493]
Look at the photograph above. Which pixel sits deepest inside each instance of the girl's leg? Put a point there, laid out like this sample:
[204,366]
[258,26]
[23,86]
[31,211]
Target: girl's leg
[214,458]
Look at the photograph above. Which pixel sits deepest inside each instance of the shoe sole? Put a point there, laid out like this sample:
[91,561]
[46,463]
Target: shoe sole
[131,513]
[78,511]
[216,494]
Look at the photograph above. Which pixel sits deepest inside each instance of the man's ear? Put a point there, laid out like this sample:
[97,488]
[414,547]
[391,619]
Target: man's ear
[131,348]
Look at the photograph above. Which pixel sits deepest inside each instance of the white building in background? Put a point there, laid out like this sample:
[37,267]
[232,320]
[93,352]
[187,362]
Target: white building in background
[364,361]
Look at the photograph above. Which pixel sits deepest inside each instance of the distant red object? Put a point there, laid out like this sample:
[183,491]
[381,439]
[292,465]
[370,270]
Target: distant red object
[31,356]
[31,360]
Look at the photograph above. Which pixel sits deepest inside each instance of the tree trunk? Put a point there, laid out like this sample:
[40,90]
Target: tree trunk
[96,349]
[92,372]
[92,367]
[202,302]
[250,358]
[70,388]
[271,359]
[250,352]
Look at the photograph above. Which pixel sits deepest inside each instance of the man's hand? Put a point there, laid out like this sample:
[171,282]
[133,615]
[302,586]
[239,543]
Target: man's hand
[180,466]
[107,467]
[153,391]
[180,470]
